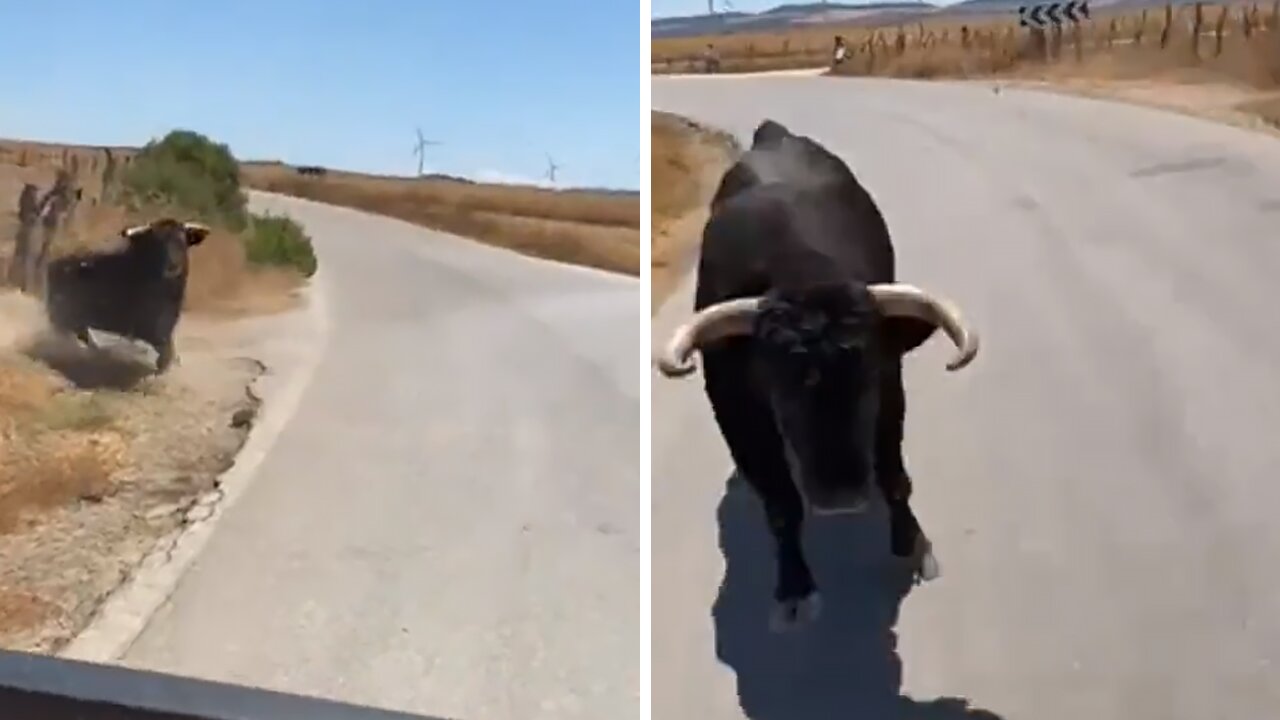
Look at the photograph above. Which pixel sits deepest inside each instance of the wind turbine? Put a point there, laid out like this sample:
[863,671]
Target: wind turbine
[420,149]
[552,167]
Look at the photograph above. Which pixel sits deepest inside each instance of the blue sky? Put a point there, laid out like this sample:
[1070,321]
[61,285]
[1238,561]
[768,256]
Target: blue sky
[501,83]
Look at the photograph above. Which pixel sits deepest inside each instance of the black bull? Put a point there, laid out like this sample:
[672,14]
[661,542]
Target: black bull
[802,327]
[136,293]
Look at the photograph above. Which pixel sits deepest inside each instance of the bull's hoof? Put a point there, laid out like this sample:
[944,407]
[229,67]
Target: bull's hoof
[795,613]
[86,339]
[926,567]
[164,360]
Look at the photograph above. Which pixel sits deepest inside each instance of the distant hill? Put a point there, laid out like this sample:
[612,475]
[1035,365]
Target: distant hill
[784,17]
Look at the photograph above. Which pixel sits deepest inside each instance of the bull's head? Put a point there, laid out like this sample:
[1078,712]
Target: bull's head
[167,241]
[819,356]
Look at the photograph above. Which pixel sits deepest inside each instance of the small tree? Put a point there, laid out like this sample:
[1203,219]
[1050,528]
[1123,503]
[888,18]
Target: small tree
[188,170]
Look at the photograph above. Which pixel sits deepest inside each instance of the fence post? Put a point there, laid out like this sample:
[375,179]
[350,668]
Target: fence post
[28,213]
[1197,24]
[1168,26]
[109,174]
[1040,43]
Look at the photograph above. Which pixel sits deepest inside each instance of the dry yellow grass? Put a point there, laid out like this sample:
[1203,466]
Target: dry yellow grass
[582,227]
[57,446]
[687,163]
[746,52]
[1110,45]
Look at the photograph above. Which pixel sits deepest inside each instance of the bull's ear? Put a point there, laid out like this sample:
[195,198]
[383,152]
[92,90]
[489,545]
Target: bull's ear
[901,334]
[196,233]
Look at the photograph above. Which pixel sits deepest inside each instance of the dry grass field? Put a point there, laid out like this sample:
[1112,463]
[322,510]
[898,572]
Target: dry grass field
[687,162]
[582,227]
[1235,44]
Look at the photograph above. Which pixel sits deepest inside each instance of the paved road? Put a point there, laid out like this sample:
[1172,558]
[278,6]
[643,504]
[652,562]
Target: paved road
[449,525]
[1101,484]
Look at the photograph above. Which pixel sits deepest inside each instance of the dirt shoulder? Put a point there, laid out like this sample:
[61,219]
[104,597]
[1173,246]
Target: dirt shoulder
[688,160]
[101,461]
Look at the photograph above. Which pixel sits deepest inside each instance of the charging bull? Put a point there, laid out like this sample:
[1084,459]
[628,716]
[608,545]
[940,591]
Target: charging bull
[136,293]
[802,327]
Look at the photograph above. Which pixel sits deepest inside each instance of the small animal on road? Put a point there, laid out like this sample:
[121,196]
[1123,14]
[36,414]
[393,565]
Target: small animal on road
[136,293]
[802,326]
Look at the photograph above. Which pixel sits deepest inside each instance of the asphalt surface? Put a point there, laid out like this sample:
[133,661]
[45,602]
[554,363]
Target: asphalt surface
[449,523]
[1100,484]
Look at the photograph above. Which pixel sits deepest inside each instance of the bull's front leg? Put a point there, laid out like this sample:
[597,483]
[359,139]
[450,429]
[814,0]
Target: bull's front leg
[746,423]
[906,538]
[164,356]
[796,594]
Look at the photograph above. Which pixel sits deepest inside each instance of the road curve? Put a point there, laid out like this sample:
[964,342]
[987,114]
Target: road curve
[449,524]
[1100,484]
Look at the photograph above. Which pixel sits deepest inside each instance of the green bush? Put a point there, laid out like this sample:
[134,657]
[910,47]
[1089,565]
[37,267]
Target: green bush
[188,170]
[279,241]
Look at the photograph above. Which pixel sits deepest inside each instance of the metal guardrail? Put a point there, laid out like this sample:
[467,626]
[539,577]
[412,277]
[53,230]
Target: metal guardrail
[38,687]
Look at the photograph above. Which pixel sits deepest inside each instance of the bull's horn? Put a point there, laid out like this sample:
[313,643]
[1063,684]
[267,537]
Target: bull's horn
[910,301]
[130,232]
[196,226]
[731,317]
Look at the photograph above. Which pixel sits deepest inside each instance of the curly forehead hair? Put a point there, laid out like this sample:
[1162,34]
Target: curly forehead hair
[827,319]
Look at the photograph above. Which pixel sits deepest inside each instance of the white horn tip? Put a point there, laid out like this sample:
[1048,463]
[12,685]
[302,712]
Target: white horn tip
[965,356]
[673,369]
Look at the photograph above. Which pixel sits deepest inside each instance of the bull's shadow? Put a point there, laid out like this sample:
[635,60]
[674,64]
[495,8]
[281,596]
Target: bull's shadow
[116,364]
[844,666]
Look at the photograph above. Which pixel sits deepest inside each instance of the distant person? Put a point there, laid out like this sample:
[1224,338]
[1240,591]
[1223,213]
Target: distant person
[711,58]
[840,52]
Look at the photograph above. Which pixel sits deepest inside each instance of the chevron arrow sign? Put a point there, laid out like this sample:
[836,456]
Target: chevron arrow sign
[1053,13]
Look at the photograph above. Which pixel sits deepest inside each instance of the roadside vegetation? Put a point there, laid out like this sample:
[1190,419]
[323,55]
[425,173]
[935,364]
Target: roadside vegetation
[100,462]
[187,171]
[687,161]
[594,228]
[1213,59]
